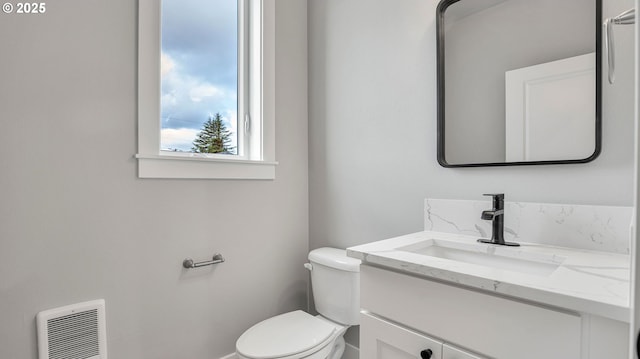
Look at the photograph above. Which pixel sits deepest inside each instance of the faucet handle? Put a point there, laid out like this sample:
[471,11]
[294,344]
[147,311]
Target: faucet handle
[498,200]
[495,195]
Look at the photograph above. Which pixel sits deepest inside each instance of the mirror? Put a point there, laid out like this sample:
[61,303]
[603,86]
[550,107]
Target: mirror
[519,82]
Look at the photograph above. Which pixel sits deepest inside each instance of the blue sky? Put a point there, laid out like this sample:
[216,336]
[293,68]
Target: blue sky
[199,68]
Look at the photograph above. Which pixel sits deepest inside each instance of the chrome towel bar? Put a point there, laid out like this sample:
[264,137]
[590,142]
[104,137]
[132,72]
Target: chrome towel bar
[189,263]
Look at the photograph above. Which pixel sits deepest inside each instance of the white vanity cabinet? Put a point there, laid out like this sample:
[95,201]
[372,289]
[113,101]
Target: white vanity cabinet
[404,314]
[382,339]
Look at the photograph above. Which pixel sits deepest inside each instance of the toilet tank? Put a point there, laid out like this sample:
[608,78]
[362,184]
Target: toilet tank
[335,281]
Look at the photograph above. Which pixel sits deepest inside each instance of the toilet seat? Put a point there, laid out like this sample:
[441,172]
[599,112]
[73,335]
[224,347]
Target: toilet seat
[291,335]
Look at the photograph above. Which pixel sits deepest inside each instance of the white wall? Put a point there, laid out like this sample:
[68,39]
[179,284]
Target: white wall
[76,224]
[372,126]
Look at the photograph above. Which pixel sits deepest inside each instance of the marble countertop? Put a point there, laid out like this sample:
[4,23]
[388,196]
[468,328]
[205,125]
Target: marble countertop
[584,281]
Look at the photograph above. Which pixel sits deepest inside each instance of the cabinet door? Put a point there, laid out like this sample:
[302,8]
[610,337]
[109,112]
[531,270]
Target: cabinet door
[380,339]
[449,352]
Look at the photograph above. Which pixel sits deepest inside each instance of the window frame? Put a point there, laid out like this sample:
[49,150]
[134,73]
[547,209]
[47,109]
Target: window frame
[256,101]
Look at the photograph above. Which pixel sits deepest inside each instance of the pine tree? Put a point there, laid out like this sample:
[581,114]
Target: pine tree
[214,137]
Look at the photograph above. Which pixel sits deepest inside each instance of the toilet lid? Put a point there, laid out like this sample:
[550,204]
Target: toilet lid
[284,335]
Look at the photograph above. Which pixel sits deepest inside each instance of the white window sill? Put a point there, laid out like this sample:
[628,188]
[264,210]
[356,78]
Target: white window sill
[157,166]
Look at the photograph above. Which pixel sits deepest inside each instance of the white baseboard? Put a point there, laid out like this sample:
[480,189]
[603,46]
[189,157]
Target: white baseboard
[351,352]
[230,356]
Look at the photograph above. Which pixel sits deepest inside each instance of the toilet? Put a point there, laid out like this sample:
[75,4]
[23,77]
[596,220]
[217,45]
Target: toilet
[335,280]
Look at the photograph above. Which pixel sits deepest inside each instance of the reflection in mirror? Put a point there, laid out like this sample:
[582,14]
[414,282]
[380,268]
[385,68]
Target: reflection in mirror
[518,82]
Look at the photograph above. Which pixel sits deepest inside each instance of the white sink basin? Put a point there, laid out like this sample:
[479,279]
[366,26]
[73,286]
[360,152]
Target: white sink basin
[488,255]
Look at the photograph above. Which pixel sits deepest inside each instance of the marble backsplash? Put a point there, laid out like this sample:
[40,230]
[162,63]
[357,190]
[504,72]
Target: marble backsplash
[601,228]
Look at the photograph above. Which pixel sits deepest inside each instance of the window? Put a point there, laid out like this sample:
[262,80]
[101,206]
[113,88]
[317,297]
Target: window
[205,89]
[199,76]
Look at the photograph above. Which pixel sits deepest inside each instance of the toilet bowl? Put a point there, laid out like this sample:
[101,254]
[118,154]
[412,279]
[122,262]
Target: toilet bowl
[335,280]
[292,335]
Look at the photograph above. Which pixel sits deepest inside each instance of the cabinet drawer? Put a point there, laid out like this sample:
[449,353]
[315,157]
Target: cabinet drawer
[449,352]
[380,339]
[494,326]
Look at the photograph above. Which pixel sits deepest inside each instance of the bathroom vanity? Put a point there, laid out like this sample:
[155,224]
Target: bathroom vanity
[441,295]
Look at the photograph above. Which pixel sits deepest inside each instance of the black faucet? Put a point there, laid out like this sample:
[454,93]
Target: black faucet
[496,215]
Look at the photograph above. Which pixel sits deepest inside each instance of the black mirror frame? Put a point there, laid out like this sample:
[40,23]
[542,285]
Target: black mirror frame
[442,7]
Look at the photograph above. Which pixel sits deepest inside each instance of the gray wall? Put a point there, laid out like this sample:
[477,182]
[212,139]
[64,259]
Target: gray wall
[76,224]
[479,50]
[372,128]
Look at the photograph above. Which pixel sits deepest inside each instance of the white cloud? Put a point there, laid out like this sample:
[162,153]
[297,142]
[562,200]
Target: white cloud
[169,99]
[201,90]
[180,88]
[167,64]
[187,100]
[177,138]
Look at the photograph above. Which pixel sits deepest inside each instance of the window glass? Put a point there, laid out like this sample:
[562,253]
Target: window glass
[199,76]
